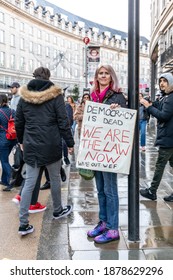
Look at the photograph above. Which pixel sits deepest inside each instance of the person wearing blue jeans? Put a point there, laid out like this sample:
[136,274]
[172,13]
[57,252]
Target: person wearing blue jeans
[106,90]
[143,118]
[6,167]
[6,145]
[106,183]
[142,129]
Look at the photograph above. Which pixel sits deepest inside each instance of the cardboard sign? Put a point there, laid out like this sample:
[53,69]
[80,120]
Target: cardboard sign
[106,138]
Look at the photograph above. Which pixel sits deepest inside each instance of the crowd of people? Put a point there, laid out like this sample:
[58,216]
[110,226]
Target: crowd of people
[46,123]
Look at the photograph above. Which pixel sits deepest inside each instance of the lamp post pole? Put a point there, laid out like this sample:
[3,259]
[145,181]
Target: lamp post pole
[133,102]
[86,40]
[86,67]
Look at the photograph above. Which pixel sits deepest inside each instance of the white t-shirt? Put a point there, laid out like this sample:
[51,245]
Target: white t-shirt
[14,101]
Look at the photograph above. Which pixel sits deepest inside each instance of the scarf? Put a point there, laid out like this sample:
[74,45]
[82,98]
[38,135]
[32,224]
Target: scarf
[99,96]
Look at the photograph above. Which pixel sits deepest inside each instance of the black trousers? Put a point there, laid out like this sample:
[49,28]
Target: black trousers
[164,155]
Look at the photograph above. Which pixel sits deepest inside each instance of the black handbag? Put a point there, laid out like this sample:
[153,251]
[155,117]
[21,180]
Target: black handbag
[16,178]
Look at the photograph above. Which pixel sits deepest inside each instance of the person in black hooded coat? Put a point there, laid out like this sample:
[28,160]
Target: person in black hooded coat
[41,123]
[163,112]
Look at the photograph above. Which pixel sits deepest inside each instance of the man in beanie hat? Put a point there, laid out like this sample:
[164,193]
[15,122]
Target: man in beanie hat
[41,123]
[163,112]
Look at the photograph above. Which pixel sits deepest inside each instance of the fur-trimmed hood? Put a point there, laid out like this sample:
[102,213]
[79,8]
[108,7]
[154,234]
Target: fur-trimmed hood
[38,92]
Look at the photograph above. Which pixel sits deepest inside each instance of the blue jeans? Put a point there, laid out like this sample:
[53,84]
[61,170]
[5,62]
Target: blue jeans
[142,129]
[106,183]
[73,127]
[5,151]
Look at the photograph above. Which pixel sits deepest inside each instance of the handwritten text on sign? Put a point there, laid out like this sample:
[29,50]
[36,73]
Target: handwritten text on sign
[106,138]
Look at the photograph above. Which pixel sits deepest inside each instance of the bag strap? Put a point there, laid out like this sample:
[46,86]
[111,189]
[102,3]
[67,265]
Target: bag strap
[6,118]
[5,114]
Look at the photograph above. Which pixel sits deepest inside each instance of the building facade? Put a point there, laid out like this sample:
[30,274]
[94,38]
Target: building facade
[161,44]
[33,35]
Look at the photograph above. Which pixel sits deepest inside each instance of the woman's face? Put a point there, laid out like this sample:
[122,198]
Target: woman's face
[69,100]
[104,78]
[140,96]
[85,98]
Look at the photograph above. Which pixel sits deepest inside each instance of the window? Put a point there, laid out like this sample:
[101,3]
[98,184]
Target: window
[2,36]
[2,59]
[39,49]
[47,37]
[55,40]
[12,61]
[22,26]
[76,74]
[31,47]
[55,54]
[22,63]
[30,30]
[1,17]
[47,51]
[31,65]
[12,40]
[21,43]
[12,22]
[39,34]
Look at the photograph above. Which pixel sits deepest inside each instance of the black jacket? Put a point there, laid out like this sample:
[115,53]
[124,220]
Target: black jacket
[164,114]
[114,97]
[41,123]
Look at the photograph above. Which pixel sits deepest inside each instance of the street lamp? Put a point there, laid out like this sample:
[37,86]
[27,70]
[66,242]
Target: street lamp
[86,40]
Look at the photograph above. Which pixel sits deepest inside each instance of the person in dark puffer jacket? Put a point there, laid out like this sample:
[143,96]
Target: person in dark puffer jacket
[6,145]
[41,123]
[163,112]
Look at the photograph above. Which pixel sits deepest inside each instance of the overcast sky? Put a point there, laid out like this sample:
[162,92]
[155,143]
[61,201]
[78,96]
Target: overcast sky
[111,13]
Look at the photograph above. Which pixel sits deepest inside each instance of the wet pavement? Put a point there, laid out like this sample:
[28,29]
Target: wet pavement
[66,239]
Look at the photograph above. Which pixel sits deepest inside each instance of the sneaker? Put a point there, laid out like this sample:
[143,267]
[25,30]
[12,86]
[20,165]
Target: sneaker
[99,229]
[107,236]
[147,193]
[168,198]
[66,160]
[17,199]
[45,186]
[64,212]
[7,189]
[143,148]
[1,183]
[26,229]
[36,208]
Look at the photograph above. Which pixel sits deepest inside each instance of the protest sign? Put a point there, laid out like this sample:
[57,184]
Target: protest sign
[106,138]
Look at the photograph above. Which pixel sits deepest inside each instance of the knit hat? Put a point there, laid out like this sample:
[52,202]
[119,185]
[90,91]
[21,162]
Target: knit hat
[168,77]
[41,73]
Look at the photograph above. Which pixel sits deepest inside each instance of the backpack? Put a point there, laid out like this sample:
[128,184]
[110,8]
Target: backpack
[10,131]
[16,178]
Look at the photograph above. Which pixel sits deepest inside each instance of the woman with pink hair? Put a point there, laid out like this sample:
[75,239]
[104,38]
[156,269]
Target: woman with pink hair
[106,90]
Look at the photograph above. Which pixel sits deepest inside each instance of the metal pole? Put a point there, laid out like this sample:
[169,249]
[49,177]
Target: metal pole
[133,93]
[152,86]
[86,66]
